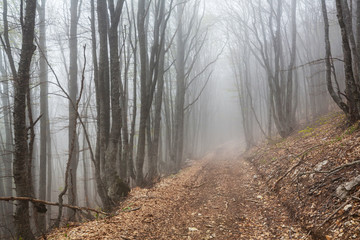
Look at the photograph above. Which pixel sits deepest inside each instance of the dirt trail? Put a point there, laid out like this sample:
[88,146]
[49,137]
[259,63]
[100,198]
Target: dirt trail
[218,197]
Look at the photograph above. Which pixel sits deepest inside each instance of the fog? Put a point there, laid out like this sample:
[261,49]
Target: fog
[136,88]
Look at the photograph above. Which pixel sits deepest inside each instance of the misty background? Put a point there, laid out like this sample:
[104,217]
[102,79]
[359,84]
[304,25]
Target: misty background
[124,92]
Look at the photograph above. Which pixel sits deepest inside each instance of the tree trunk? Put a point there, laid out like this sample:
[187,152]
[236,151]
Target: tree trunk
[144,113]
[180,92]
[159,37]
[116,187]
[73,89]
[8,150]
[290,106]
[21,154]
[101,188]
[330,88]
[351,91]
[103,83]
[44,121]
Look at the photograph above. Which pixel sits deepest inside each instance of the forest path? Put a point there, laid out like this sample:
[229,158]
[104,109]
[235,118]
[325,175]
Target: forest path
[217,197]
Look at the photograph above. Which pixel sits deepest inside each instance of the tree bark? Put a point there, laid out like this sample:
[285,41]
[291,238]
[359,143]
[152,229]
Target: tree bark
[351,90]
[9,142]
[44,121]
[21,155]
[98,158]
[178,142]
[330,88]
[73,90]
[116,187]
[103,83]
[144,112]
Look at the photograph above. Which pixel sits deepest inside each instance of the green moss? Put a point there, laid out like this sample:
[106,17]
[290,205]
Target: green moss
[352,129]
[337,139]
[263,161]
[308,131]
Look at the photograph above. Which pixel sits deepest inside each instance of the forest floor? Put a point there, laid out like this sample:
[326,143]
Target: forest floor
[280,190]
[217,197]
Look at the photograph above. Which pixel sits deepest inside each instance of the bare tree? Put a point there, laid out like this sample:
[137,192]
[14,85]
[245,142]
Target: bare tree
[151,72]
[22,153]
[73,91]
[45,143]
[7,144]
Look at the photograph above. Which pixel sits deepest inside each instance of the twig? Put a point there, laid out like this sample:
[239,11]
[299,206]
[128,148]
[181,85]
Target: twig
[251,200]
[347,150]
[333,214]
[132,209]
[334,170]
[38,201]
[302,155]
[197,186]
[356,198]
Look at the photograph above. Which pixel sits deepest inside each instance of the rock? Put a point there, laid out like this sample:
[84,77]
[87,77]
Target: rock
[347,224]
[319,166]
[353,183]
[347,207]
[343,190]
[193,229]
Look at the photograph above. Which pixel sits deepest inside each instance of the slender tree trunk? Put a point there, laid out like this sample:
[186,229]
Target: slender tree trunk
[103,83]
[358,36]
[143,95]
[73,89]
[180,92]
[330,88]
[134,44]
[21,155]
[289,105]
[159,37]
[8,150]
[116,187]
[49,171]
[351,91]
[44,121]
[100,185]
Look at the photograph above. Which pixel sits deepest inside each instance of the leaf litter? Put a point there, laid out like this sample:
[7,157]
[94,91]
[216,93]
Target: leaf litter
[231,195]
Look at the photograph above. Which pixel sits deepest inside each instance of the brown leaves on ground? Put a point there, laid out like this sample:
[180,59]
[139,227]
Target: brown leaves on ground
[218,197]
[310,191]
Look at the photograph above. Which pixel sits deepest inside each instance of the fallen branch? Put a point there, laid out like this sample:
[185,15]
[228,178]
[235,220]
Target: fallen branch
[302,155]
[38,201]
[251,200]
[132,209]
[347,150]
[334,170]
[333,214]
[356,198]
[338,209]
[198,186]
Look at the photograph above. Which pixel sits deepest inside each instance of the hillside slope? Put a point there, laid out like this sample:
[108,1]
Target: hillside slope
[316,173]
